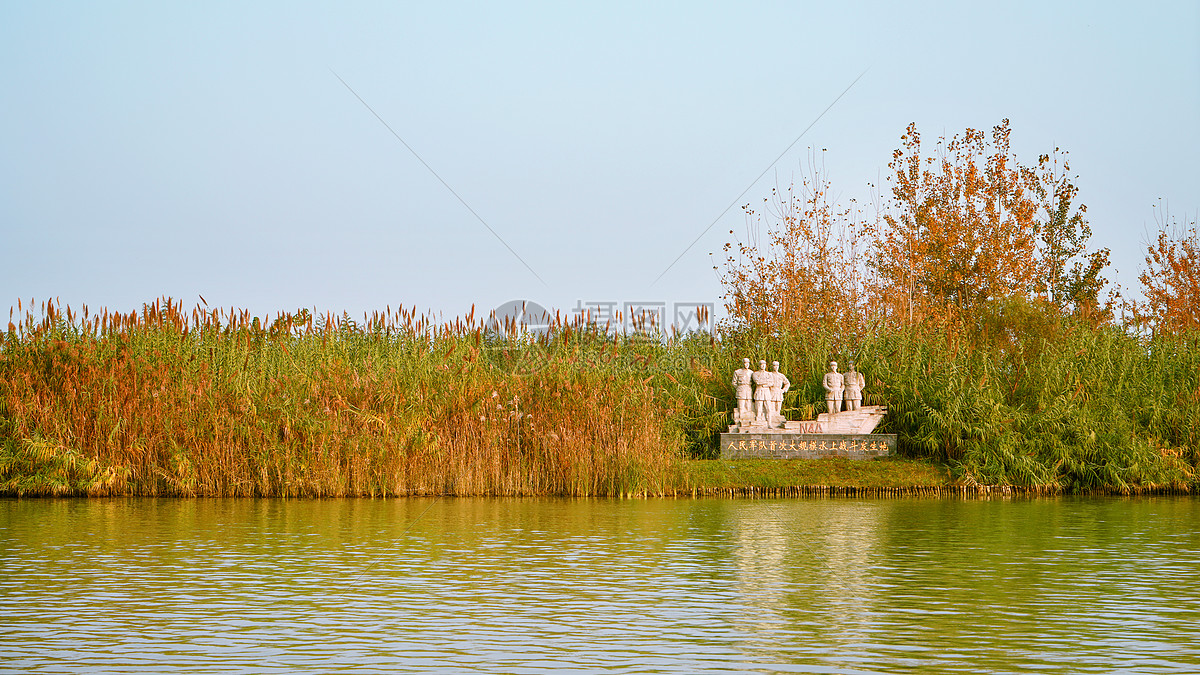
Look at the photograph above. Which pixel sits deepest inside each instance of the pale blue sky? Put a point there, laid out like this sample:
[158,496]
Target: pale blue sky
[154,148]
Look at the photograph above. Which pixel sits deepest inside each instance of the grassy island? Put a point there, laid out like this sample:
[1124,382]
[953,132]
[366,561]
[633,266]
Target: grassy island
[209,402]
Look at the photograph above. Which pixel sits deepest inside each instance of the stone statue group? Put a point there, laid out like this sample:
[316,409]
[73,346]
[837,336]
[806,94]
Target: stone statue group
[839,387]
[763,403]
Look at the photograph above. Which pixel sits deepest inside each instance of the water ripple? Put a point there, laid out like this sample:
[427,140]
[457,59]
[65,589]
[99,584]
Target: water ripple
[538,586]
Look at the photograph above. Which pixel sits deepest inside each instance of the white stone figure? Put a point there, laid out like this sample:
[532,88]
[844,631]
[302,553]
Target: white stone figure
[854,388]
[834,383]
[741,387]
[778,389]
[763,379]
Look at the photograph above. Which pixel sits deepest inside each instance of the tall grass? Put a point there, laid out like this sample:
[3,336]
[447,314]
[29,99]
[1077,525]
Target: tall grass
[167,402]
[216,402]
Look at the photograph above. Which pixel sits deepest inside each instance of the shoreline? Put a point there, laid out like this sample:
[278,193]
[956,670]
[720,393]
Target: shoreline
[887,477]
[832,477]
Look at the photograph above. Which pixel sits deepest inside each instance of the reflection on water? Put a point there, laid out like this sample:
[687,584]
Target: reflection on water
[542,585]
[803,566]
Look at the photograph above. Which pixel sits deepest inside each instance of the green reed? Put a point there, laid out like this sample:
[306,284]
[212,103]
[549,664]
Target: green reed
[1024,397]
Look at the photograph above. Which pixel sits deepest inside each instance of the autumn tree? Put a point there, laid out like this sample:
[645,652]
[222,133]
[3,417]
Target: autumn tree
[801,266]
[970,224]
[967,228]
[1171,279]
[960,227]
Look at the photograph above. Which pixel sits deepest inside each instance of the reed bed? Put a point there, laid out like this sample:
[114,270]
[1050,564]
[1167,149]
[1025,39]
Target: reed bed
[216,402]
[1025,397]
[168,401]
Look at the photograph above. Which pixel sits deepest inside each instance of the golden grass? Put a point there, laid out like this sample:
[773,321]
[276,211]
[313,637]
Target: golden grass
[218,403]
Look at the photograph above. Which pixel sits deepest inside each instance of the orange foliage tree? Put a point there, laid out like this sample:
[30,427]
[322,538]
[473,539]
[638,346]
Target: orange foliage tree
[802,266]
[1171,280]
[960,230]
[971,225]
[967,229]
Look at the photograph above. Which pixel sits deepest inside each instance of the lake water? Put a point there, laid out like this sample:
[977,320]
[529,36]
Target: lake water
[547,585]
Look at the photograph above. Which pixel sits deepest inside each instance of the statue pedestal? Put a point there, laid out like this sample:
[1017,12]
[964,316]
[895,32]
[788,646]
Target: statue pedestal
[845,434]
[780,444]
